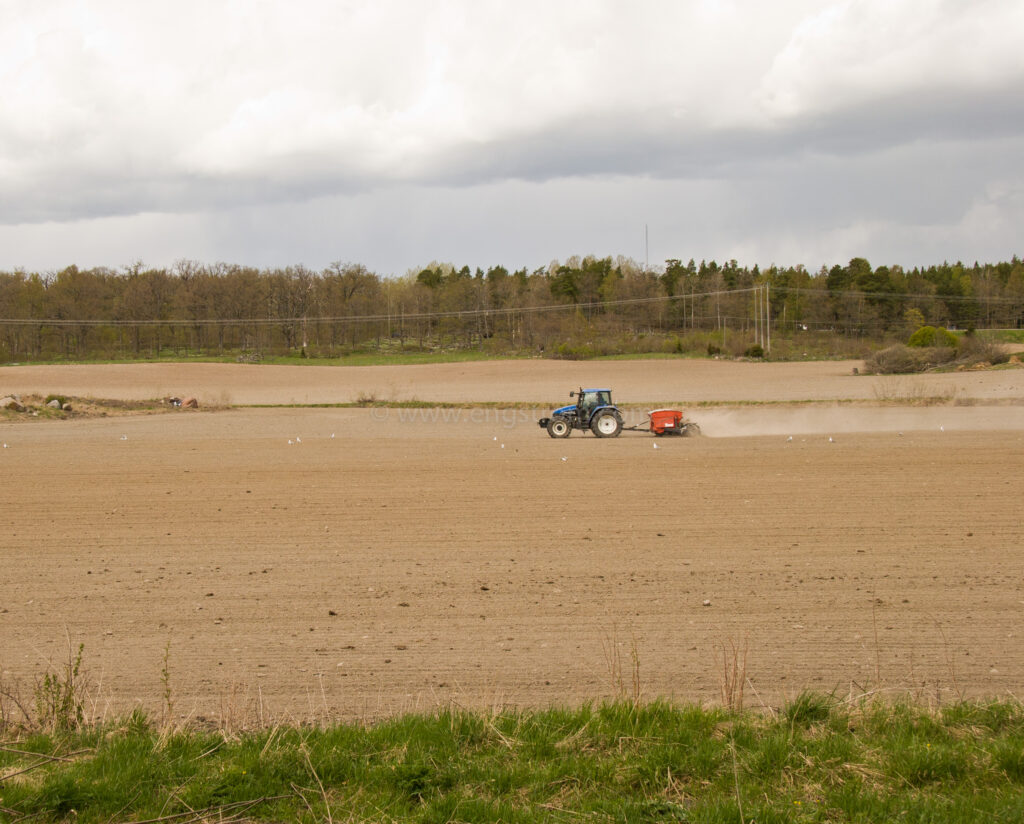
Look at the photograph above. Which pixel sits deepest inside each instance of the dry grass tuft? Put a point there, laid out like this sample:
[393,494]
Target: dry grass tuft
[612,649]
[911,391]
[733,677]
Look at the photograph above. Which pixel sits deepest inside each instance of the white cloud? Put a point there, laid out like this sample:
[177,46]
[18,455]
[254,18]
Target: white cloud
[245,129]
[353,91]
[857,51]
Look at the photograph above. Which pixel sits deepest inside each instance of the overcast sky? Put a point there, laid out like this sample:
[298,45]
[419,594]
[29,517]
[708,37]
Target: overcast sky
[394,133]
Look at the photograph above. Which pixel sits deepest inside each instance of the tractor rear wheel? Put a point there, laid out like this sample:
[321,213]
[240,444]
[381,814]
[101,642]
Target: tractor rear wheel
[559,427]
[691,430]
[606,425]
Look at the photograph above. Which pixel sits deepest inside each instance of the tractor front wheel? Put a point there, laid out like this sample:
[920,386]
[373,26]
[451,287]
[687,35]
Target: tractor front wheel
[606,425]
[559,427]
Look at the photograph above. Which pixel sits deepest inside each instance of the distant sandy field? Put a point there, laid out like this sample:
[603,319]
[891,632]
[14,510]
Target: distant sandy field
[530,381]
[311,563]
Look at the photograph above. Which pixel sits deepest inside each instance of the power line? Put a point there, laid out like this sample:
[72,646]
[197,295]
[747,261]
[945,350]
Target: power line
[374,318]
[496,312]
[900,295]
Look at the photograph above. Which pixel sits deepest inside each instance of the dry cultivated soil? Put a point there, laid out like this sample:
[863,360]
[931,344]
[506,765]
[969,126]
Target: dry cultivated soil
[309,563]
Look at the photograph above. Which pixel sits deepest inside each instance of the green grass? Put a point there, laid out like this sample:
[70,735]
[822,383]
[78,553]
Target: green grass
[1004,335]
[391,358]
[383,358]
[803,346]
[629,356]
[818,760]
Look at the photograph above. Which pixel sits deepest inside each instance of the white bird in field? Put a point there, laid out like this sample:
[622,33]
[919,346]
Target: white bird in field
[942,429]
[298,440]
[789,439]
[503,446]
[289,442]
[564,458]
[5,446]
[332,434]
[654,445]
[830,440]
[124,437]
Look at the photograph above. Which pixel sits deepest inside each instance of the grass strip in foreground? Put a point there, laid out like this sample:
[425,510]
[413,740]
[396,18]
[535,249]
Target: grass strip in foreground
[818,760]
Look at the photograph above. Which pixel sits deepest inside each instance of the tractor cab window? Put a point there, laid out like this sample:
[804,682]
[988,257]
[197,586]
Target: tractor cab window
[595,399]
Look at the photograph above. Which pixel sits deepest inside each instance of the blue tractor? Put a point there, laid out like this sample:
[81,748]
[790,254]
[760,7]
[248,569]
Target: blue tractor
[593,410]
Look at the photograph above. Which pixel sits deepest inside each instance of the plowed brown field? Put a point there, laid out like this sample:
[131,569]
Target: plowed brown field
[312,563]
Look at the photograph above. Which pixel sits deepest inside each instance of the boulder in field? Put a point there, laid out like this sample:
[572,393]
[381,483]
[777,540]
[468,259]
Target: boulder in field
[190,403]
[11,402]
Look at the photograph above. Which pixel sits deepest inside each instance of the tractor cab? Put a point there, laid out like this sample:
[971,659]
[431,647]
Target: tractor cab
[589,401]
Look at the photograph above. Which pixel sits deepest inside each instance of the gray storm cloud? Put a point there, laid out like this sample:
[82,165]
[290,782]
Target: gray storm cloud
[119,111]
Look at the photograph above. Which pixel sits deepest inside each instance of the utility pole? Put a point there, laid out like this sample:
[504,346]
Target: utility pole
[757,316]
[762,318]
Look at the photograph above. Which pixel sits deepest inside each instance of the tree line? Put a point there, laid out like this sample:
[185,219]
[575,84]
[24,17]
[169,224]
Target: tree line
[198,309]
